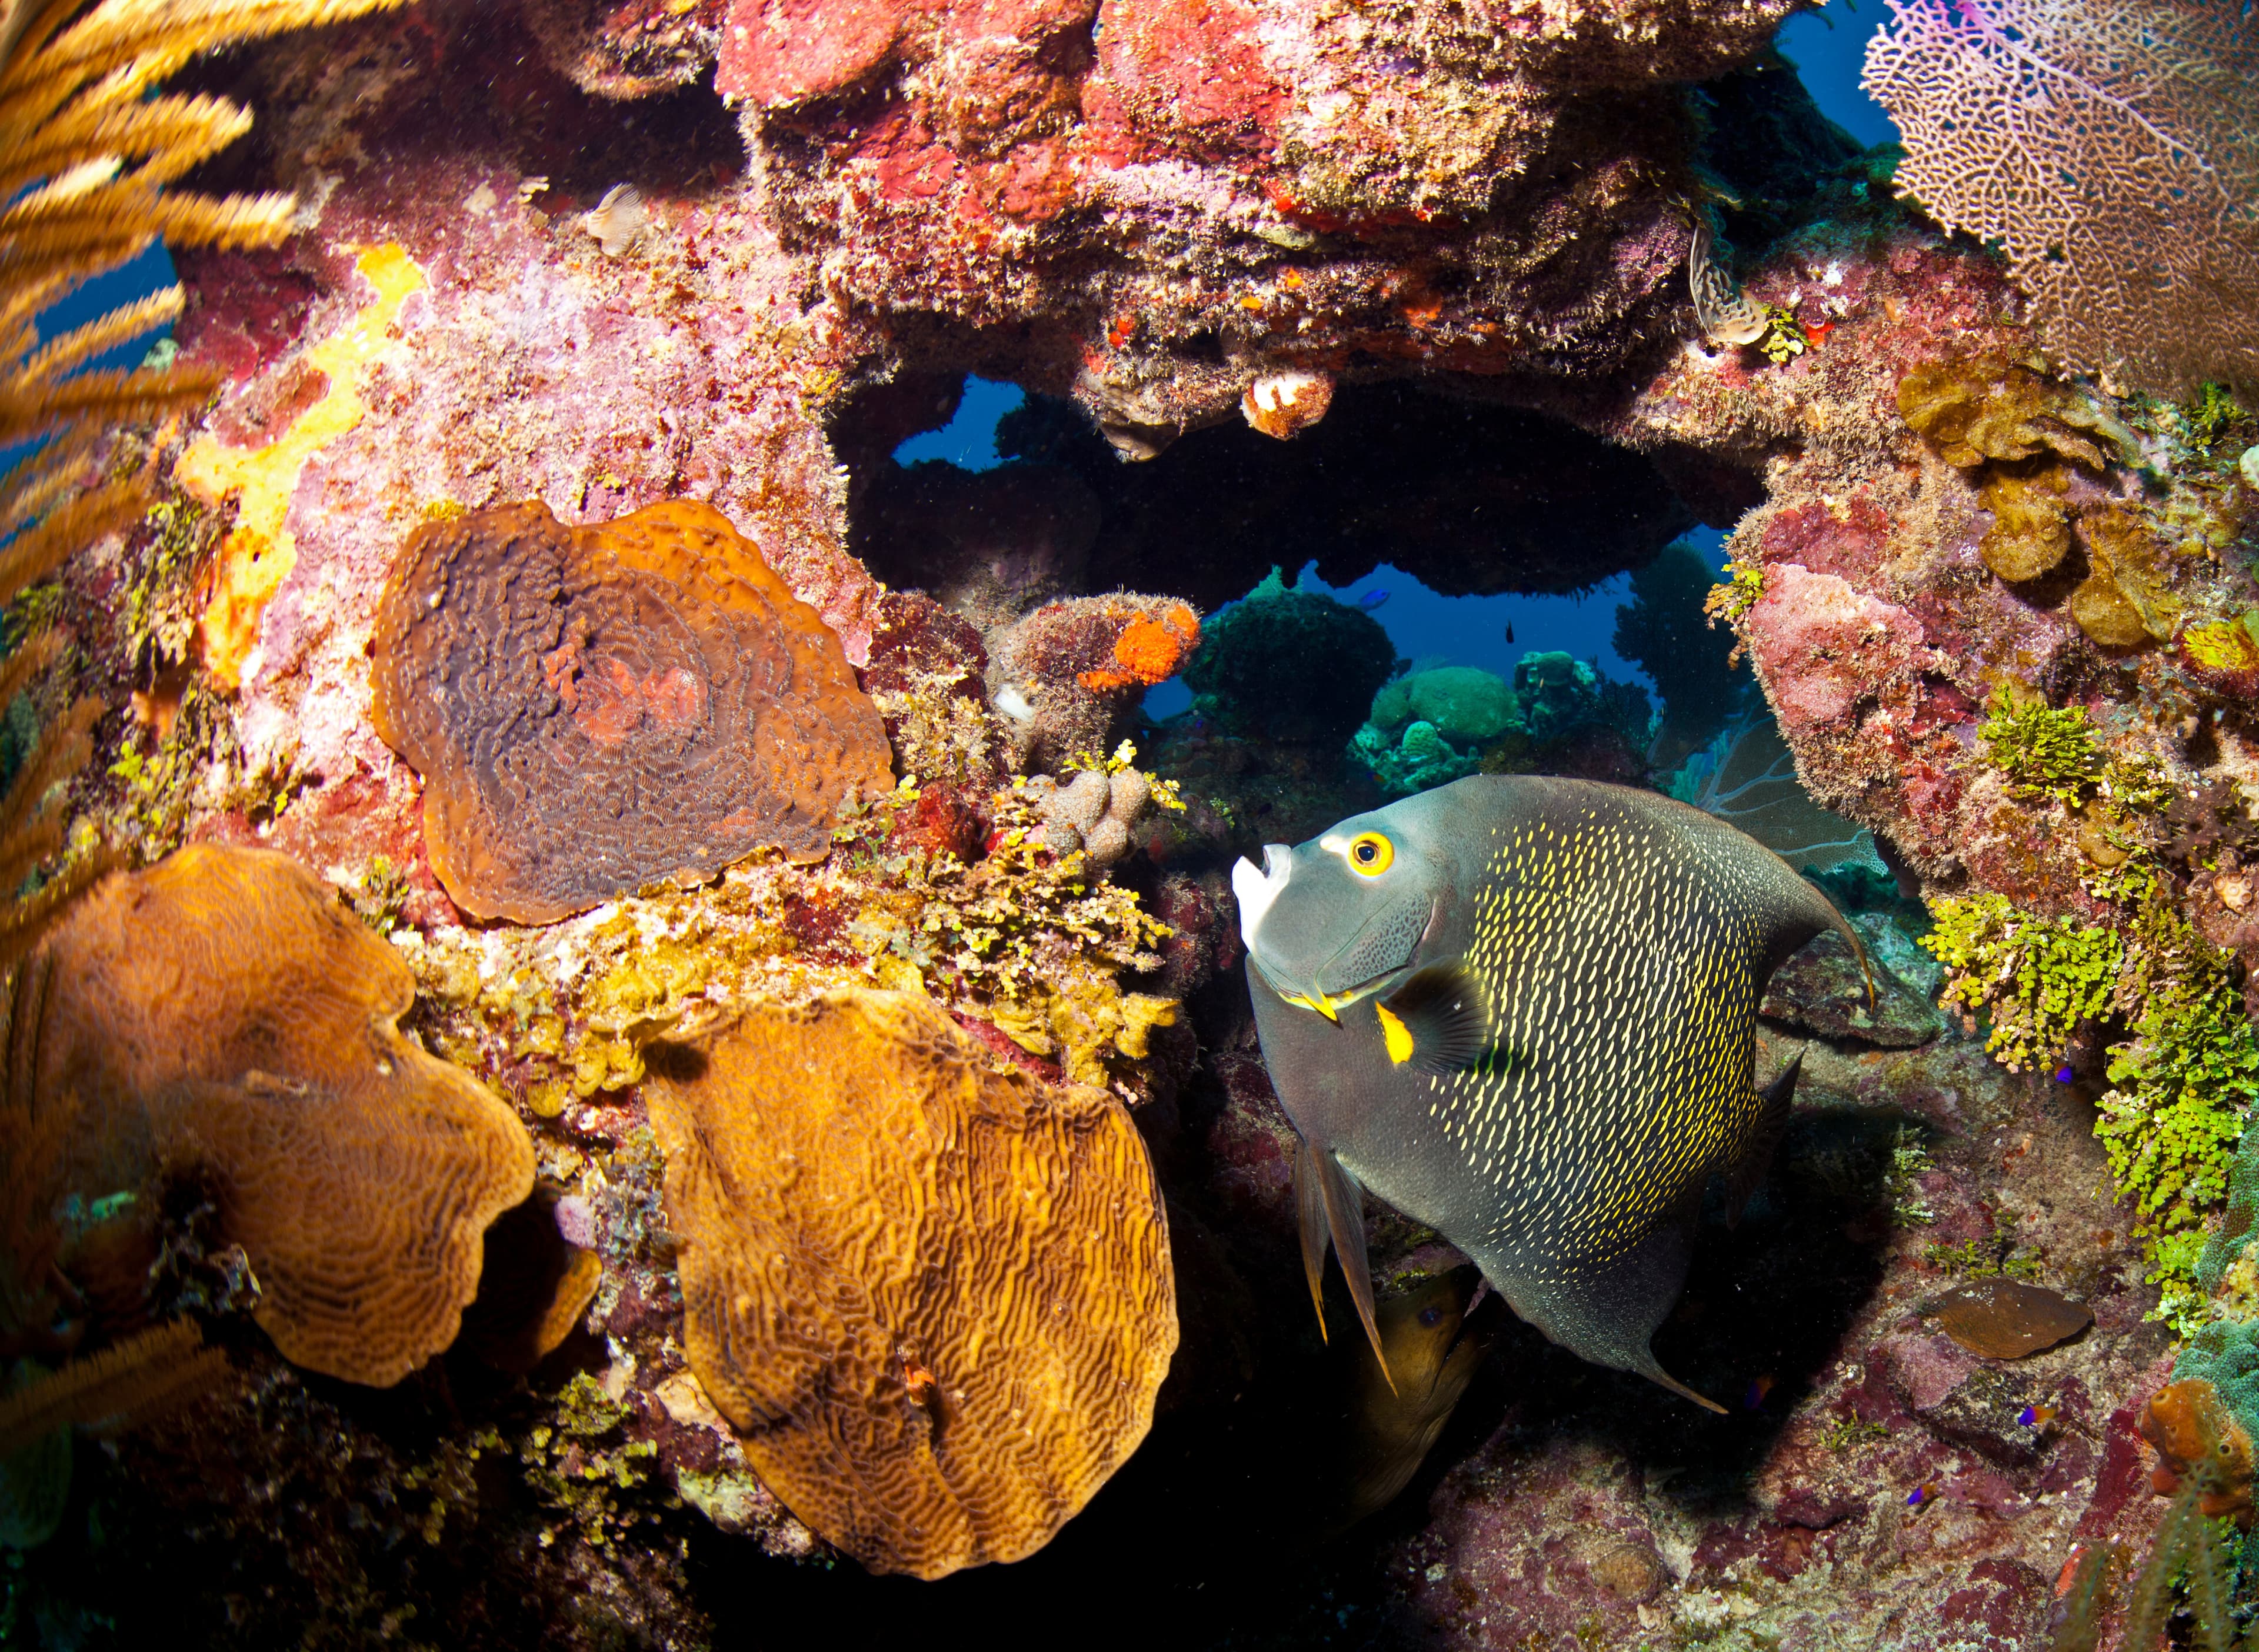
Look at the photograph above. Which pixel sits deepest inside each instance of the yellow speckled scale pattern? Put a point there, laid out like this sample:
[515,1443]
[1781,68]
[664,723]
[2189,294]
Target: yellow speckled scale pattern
[1587,1139]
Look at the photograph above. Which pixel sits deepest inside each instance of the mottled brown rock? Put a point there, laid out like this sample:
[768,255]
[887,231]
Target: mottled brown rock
[2008,1318]
[596,708]
[934,1299]
[223,1015]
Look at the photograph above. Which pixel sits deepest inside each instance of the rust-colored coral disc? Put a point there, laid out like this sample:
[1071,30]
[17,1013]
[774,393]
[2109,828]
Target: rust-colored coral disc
[596,708]
[934,1299]
[222,1015]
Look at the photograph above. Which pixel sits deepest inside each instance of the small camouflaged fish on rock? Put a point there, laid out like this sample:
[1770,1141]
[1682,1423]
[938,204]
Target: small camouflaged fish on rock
[1523,1011]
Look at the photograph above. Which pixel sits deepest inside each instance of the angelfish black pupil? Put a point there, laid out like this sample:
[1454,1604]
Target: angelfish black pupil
[1365,853]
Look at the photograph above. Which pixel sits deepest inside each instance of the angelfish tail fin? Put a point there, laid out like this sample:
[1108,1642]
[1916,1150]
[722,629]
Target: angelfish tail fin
[1775,1103]
[1329,1204]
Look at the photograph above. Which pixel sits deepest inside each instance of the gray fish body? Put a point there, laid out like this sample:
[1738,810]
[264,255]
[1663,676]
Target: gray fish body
[1620,943]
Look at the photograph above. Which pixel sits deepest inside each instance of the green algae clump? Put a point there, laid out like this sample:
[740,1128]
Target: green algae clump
[2043,750]
[2039,977]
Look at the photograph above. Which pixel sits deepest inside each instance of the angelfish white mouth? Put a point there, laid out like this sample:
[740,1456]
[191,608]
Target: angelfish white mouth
[1257,890]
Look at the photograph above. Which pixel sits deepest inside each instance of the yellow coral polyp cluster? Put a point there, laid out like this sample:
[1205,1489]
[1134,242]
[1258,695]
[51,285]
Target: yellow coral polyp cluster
[259,554]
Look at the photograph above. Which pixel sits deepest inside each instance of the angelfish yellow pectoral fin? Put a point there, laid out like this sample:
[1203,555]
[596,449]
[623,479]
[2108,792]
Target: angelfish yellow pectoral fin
[1329,1008]
[1396,1034]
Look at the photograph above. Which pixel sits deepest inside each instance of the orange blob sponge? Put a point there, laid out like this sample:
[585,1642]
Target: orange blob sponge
[1148,651]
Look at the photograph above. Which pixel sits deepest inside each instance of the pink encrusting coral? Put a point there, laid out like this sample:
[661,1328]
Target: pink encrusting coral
[1294,184]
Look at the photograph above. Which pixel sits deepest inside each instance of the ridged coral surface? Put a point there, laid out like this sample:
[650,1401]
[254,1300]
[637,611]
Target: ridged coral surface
[934,1299]
[222,1015]
[593,710]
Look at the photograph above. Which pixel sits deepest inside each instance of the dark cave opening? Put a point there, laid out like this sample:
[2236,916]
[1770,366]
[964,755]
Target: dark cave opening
[1468,497]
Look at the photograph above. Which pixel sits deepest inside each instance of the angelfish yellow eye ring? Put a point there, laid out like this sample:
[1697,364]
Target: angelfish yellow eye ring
[1370,854]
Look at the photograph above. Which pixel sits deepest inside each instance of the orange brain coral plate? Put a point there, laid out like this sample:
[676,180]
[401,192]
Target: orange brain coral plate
[221,1014]
[934,1299]
[597,709]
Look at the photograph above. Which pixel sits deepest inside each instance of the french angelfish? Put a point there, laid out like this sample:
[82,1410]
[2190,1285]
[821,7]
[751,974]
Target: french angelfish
[1523,1012]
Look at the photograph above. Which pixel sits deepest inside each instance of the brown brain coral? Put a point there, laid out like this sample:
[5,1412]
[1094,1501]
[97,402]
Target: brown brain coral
[221,1013]
[934,1299]
[597,709]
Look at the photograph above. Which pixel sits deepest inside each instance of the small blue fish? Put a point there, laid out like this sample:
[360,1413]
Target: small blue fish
[2065,1075]
[1371,600]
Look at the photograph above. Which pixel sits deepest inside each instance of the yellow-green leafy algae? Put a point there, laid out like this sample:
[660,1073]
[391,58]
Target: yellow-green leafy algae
[2039,977]
[2183,1084]
[1992,1258]
[2211,417]
[1783,338]
[1736,595]
[1022,937]
[2043,751]
[2183,1089]
[584,1472]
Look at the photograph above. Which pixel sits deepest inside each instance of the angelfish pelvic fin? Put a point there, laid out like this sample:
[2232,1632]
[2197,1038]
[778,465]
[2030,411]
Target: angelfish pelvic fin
[1310,1218]
[1774,1105]
[1328,1203]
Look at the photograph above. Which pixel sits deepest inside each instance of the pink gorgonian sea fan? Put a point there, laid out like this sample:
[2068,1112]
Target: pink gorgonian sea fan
[2110,147]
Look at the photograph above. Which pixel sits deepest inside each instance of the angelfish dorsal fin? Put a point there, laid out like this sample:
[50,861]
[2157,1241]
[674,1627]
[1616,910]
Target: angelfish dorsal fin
[1329,1204]
[1439,1018]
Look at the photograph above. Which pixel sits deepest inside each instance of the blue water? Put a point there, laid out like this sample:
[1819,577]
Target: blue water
[968,441]
[152,270]
[1433,629]
[1828,47]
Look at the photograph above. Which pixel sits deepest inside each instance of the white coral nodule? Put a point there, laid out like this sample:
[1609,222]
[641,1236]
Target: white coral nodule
[617,219]
[1284,403]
